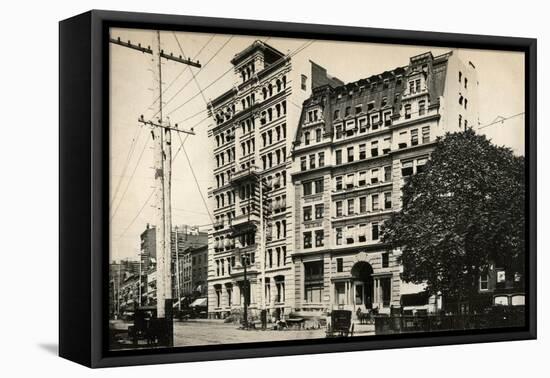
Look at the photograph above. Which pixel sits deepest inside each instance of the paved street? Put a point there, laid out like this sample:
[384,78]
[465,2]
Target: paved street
[211,332]
[216,332]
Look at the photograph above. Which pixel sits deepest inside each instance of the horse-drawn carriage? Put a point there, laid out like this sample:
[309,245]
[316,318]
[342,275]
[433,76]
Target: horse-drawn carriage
[340,324]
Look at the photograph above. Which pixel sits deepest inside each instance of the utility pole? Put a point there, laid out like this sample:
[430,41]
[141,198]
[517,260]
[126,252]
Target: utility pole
[161,131]
[177,271]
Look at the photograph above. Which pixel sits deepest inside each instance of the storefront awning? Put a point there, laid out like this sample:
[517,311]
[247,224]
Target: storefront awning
[199,302]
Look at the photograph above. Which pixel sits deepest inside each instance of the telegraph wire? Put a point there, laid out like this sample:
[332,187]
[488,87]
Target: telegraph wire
[295,52]
[500,119]
[133,144]
[196,181]
[189,81]
[192,73]
[137,215]
[130,179]
[183,71]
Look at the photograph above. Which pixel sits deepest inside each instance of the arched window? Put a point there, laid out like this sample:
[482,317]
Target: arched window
[284,81]
[264,93]
[279,85]
[278,110]
[270,89]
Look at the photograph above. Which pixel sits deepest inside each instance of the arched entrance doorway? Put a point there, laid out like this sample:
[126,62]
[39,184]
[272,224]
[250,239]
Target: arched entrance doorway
[361,273]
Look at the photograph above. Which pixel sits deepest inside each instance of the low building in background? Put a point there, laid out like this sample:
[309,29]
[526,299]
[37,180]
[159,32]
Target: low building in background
[125,275]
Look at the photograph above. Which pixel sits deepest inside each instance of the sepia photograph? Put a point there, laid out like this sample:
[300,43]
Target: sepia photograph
[278,189]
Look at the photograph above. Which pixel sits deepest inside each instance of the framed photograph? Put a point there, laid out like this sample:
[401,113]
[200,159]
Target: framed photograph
[236,188]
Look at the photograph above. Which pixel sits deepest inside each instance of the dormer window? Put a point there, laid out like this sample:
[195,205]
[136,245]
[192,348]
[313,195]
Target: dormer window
[415,84]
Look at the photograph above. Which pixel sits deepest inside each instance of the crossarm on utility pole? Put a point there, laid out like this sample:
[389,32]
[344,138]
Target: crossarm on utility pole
[168,127]
[130,45]
[179,59]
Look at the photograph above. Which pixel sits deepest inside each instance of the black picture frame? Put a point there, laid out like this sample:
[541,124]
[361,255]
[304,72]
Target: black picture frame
[83,197]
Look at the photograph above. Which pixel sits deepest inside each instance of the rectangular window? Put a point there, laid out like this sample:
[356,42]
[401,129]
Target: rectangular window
[387,173]
[338,157]
[339,212]
[350,234]
[387,200]
[362,204]
[311,161]
[351,204]
[385,260]
[408,111]
[374,148]
[421,164]
[387,119]
[321,159]
[406,168]
[425,134]
[350,154]
[374,176]
[306,138]
[307,188]
[375,121]
[414,137]
[362,178]
[339,236]
[362,125]
[307,239]
[362,151]
[339,183]
[307,213]
[339,265]
[319,238]
[319,187]
[375,231]
[318,134]
[484,282]
[303,163]
[339,133]
[313,282]
[421,107]
[350,180]
[319,211]
[374,199]
[362,233]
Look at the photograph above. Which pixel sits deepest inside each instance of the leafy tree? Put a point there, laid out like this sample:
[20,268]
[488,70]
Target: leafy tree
[462,212]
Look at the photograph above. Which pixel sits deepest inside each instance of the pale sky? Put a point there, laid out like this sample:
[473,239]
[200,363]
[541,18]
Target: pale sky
[134,88]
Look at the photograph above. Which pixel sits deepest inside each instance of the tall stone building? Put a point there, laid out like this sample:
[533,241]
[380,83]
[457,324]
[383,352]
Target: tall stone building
[254,123]
[355,146]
